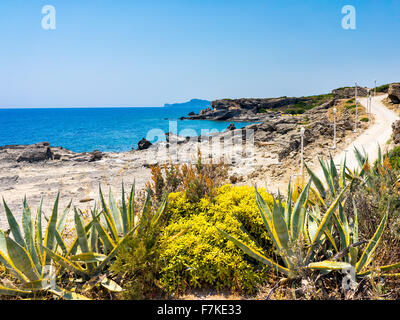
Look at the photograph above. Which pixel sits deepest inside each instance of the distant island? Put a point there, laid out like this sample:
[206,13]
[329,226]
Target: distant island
[194,103]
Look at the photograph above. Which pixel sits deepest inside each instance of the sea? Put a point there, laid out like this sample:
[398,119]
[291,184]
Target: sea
[104,129]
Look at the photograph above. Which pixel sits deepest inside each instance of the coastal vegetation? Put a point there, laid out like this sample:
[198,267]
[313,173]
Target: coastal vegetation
[323,239]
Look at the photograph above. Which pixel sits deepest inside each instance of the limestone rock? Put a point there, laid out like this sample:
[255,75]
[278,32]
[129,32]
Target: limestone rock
[394,92]
[35,153]
[396,132]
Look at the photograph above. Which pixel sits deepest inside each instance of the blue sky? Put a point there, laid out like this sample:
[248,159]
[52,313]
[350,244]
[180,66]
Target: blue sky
[147,53]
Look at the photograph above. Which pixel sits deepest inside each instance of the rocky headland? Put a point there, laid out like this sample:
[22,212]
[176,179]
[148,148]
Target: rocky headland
[250,109]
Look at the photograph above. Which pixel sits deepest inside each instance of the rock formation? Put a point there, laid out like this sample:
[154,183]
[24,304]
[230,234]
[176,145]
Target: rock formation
[394,93]
[396,132]
[35,153]
[144,144]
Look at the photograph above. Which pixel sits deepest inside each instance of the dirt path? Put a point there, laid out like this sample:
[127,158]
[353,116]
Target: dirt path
[378,134]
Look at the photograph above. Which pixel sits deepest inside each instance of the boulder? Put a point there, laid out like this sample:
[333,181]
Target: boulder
[396,132]
[394,92]
[37,152]
[96,155]
[144,144]
[231,127]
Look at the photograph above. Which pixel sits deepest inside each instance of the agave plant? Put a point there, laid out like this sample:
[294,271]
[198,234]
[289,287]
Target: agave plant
[349,238]
[287,226]
[23,254]
[118,221]
[347,243]
[97,242]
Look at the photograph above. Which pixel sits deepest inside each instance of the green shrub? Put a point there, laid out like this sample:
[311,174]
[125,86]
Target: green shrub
[195,253]
[138,261]
[364,119]
[295,111]
[383,88]
[394,158]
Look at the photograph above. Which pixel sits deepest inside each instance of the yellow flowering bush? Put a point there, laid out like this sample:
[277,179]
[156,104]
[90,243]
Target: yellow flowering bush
[194,253]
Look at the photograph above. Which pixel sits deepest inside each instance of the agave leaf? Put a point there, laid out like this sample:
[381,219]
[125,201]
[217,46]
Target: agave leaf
[328,177]
[265,210]
[75,244]
[312,225]
[7,291]
[342,177]
[61,243]
[355,223]
[160,211]
[3,243]
[14,227]
[329,236]
[5,259]
[94,239]
[124,213]
[113,251]
[256,255]
[390,267]
[366,256]
[105,238]
[266,216]
[38,239]
[329,265]
[67,264]
[116,213]
[360,158]
[344,243]
[28,231]
[82,237]
[67,295]
[131,207]
[50,235]
[334,173]
[21,260]
[81,232]
[39,285]
[280,226]
[111,285]
[317,182]
[288,209]
[353,252]
[146,208]
[298,213]
[324,221]
[63,218]
[88,257]
[110,221]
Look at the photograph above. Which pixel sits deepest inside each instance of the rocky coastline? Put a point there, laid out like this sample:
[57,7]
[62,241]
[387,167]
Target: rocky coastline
[41,170]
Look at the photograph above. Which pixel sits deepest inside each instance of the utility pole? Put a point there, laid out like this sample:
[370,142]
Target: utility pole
[302,130]
[370,107]
[334,128]
[355,119]
[375,89]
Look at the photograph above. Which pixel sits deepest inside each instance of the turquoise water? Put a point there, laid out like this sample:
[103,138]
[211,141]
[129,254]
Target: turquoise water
[105,129]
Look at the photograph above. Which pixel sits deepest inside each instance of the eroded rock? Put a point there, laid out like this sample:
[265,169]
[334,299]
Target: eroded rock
[394,93]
